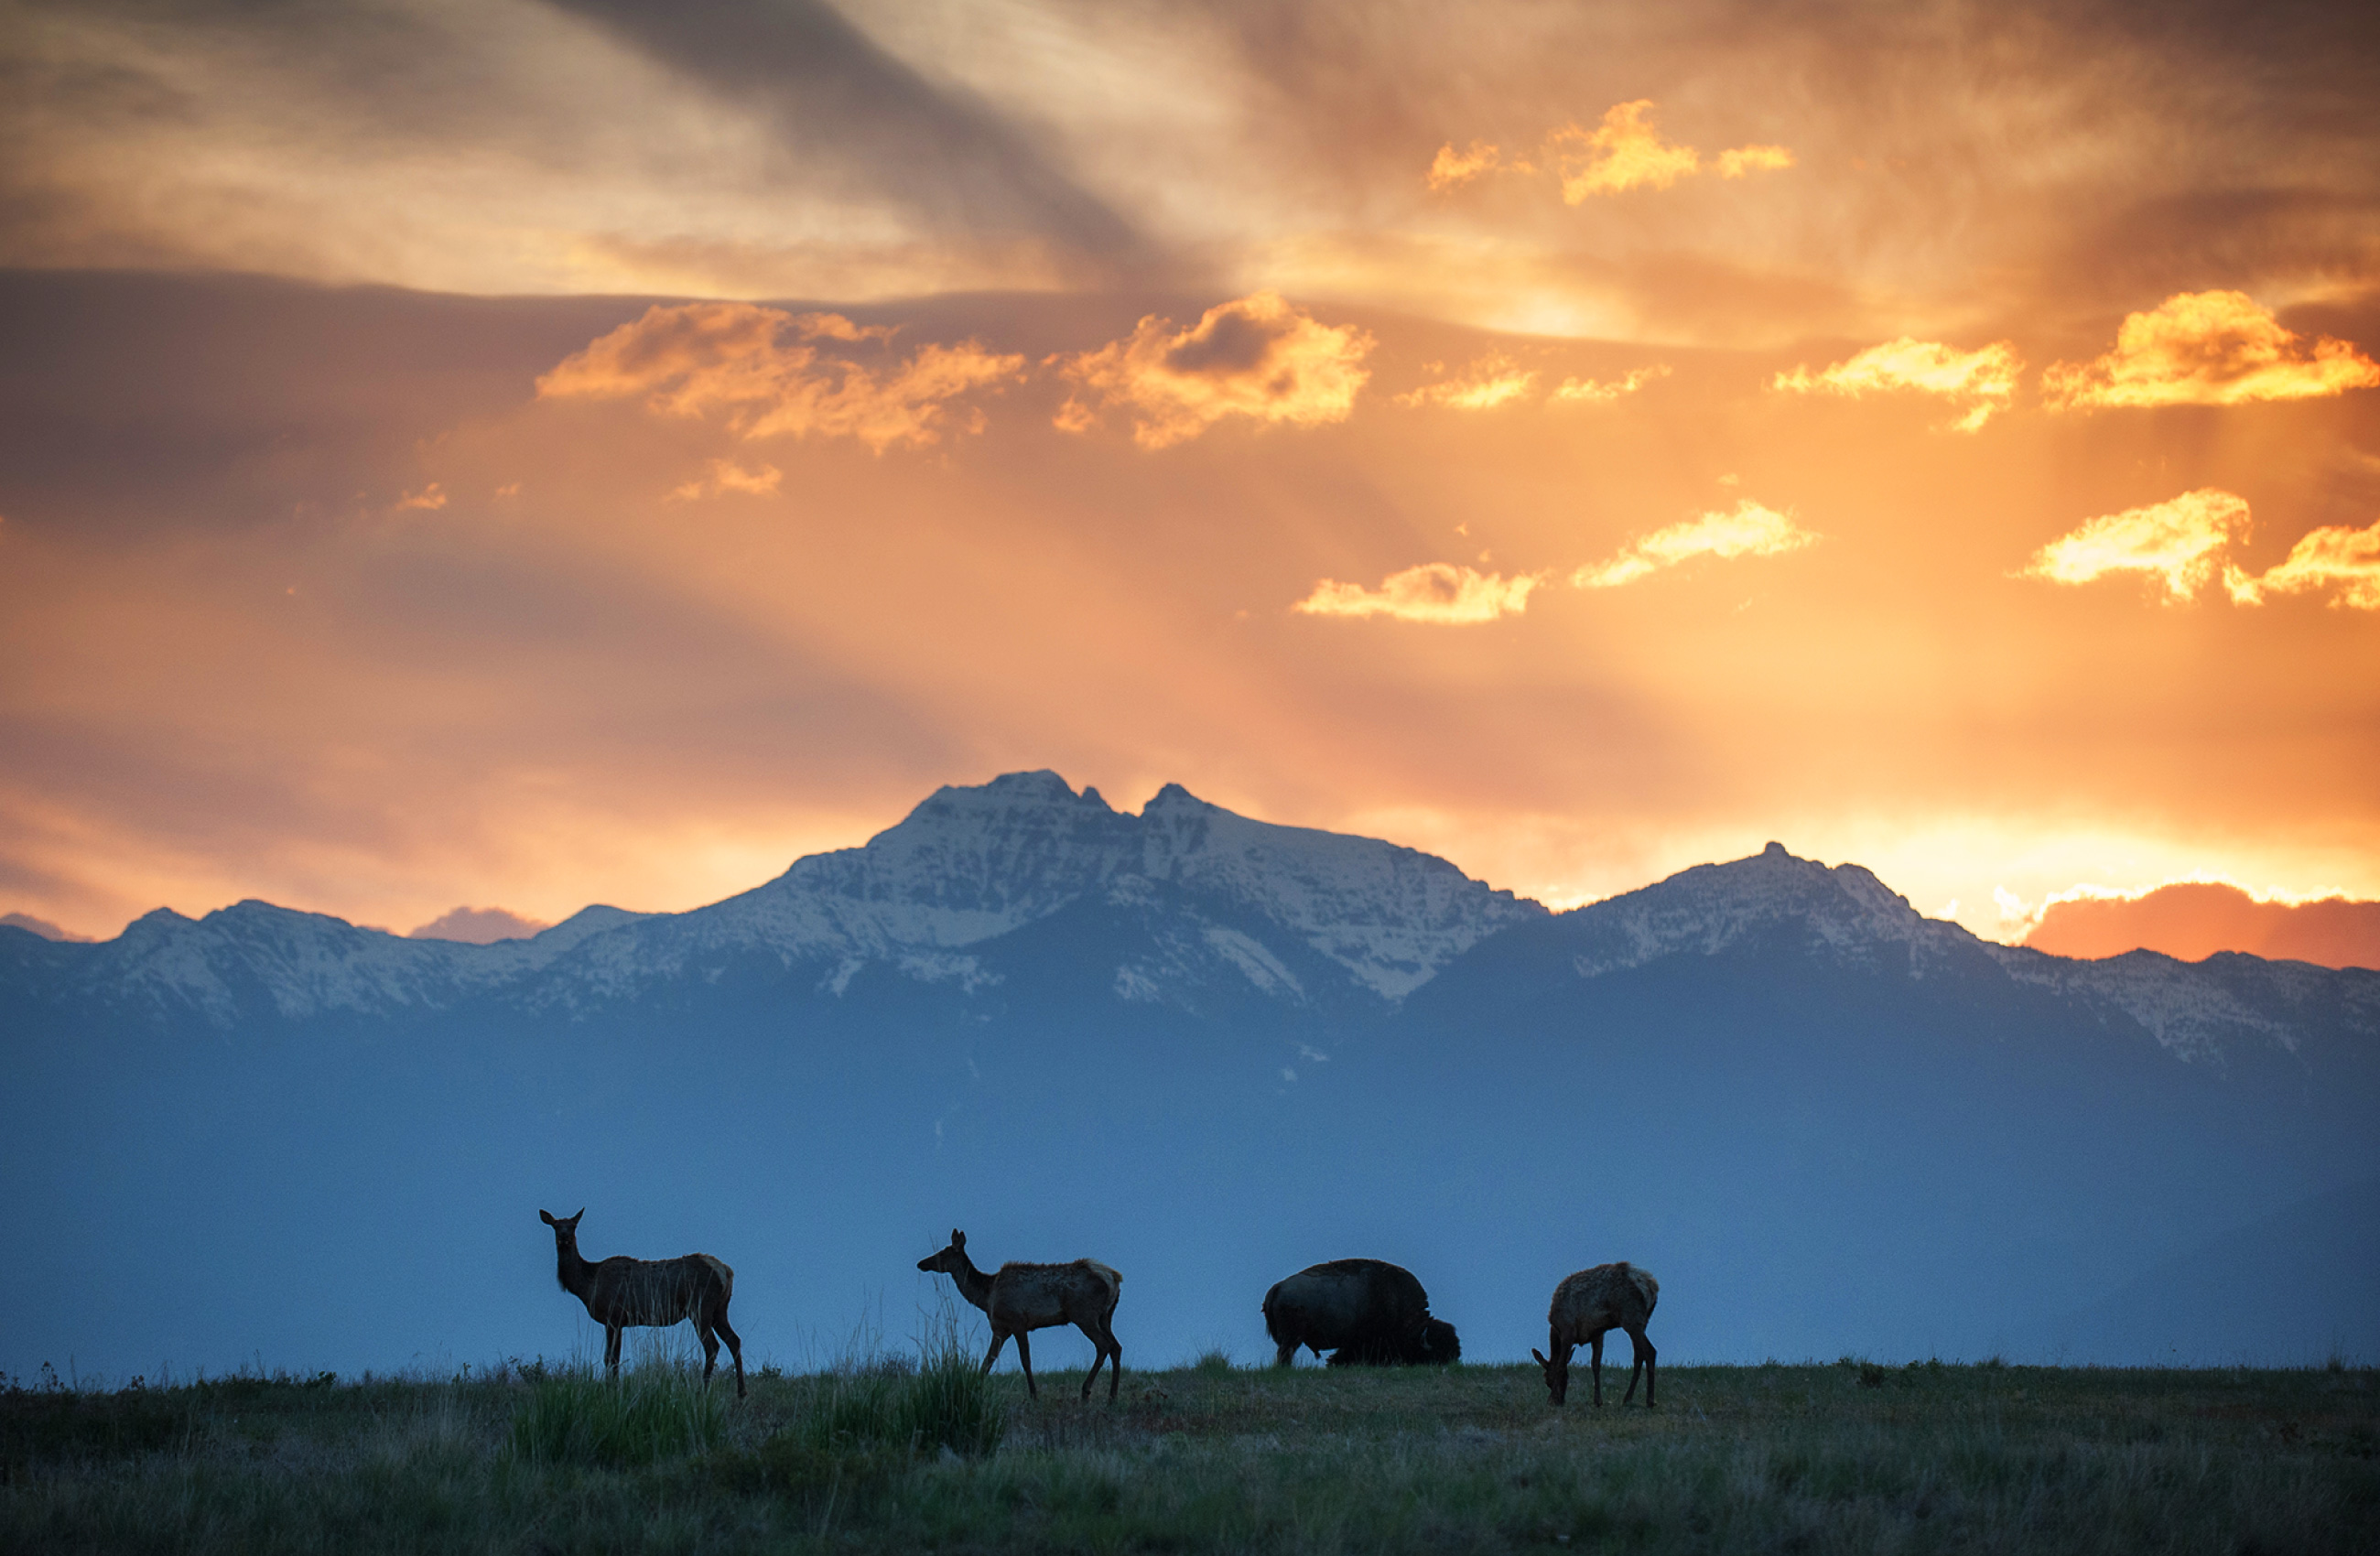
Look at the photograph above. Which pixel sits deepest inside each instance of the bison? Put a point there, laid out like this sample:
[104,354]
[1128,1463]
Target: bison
[1364,1312]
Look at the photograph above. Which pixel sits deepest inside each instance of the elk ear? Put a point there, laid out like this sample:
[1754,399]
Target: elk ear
[1541,1360]
[958,1238]
[546,1216]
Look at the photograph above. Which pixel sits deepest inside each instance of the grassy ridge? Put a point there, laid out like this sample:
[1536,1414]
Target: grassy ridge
[1841,1457]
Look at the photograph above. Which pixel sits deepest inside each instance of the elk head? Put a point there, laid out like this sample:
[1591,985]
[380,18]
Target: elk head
[1557,1373]
[949,1261]
[565,1228]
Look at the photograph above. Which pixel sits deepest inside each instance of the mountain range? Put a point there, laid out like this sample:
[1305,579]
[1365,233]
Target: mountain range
[1209,1051]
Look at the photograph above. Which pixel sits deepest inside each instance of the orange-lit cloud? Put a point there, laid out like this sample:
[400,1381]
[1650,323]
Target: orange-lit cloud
[1590,391]
[2331,557]
[2177,541]
[1626,153]
[725,476]
[430,499]
[693,358]
[1494,380]
[1749,531]
[1259,356]
[1438,592]
[2193,920]
[2208,348]
[1451,168]
[2180,542]
[1740,160]
[1984,381]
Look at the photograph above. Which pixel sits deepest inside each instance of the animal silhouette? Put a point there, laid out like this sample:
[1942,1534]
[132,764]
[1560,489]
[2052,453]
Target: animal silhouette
[1364,1312]
[1029,1296]
[623,1293]
[1585,1306]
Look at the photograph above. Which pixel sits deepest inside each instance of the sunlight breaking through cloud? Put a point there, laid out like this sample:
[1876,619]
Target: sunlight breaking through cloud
[1438,592]
[1751,530]
[1984,381]
[693,358]
[2208,348]
[1259,356]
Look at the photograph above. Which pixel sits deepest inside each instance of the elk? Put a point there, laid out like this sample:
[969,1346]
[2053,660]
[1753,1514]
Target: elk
[1364,1312]
[1029,1296]
[1586,1305]
[623,1293]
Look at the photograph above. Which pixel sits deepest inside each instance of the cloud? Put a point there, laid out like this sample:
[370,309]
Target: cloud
[1588,391]
[2333,557]
[478,926]
[693,358]
[1735,163]
[432,497]
[1984,380]
[1494,380]
[1749,531]
[1258,357]
[2208,348]
[2177,542]
[2182,542]
[2193,920]
[1452,168]
[727,476]
[1626,153]
[1438,592]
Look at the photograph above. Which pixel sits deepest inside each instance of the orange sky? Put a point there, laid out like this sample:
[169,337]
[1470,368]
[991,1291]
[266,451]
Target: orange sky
[1581,440]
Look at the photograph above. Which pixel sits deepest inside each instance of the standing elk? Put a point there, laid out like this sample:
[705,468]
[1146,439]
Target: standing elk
[623,1293]
[1364,1312]
[1586,1305]
[1030,1297]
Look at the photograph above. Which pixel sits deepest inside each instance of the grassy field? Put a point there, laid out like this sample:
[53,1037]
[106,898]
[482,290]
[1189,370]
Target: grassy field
[1845,1457]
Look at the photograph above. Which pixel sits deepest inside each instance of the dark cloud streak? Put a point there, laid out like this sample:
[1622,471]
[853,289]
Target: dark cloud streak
[834,92]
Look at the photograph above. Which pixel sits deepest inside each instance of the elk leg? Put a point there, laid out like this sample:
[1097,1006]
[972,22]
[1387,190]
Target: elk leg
[1024,1360]
[1596,1349]
[999,1338]
[1098,1357]
[1641,1349]
[611,1349]
[735,1347]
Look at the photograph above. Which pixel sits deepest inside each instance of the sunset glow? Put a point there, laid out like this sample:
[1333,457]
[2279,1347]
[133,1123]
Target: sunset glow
[527,455]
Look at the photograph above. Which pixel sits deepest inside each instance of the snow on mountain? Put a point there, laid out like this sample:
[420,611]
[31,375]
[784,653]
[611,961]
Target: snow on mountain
[971,864]
[1845,913]
[2196,1009]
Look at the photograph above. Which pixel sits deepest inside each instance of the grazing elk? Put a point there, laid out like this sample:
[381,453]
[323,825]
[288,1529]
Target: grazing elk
[623,1293]
[1364,1312]
[1586,1305]
[1029,1296]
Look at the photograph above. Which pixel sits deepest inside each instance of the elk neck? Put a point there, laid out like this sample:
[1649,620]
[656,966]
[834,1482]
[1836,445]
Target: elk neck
[973,1283]
[575,1274]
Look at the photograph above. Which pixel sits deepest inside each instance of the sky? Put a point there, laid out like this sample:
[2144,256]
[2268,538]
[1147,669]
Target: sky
[508,454]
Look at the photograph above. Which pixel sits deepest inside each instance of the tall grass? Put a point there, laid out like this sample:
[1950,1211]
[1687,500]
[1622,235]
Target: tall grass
[650,1415]
[898,1454]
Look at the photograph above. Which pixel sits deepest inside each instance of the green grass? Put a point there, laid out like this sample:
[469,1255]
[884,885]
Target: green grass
[1853,1456]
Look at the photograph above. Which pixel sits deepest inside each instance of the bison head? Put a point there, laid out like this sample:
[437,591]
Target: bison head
[1439,1345]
